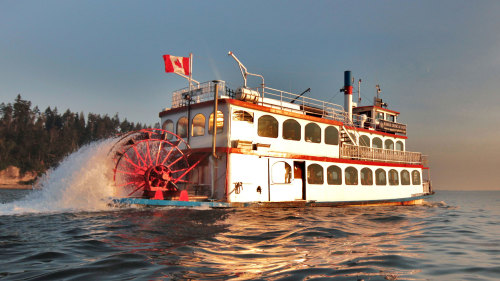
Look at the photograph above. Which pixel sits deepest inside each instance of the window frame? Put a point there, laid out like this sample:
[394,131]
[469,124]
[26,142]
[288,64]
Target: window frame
[275,123]
[365,137]
[332,181]
[321,179]
[378,180]
[245,116]
[185,126]
[165,126]
[388,147]
[362,175]
[355,180]
[402,177]
[393,176]
[288,174]
[286,128]
[375,140]
[328,137]
[196,124]
[419,177]
[315,129]
[220,129]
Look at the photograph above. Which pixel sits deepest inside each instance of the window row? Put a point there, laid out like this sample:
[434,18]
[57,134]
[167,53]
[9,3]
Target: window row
[268,126]
[377,143]
[366,176]
[282,173]
[197,125]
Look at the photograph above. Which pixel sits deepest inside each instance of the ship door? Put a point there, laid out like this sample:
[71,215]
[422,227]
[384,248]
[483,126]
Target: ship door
[299,176]
[282,183]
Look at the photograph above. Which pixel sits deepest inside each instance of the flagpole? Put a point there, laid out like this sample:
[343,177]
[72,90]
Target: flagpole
[190,95]
[190,69]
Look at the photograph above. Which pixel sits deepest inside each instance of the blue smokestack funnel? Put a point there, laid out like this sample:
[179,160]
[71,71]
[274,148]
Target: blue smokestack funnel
[347,78]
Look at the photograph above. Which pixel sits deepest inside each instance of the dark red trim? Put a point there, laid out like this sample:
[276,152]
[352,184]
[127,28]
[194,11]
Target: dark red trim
[184,108]
[280,112]
[283,112]
[348,90]
[305,157]
[377,107]
[377,133]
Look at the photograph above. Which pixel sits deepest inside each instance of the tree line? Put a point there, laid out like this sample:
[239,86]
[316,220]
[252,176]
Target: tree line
[35,141]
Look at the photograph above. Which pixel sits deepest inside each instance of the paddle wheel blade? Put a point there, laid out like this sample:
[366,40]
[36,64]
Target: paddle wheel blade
[150,163]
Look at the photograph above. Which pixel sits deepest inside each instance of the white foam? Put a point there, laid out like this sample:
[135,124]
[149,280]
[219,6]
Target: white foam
[81,182]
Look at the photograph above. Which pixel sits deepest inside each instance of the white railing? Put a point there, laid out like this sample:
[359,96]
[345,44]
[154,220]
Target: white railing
[199,93]
[274,98]
[378,154]
[305,104]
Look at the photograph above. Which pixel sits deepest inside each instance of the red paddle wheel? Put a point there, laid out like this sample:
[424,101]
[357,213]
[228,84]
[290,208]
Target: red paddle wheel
[151,163]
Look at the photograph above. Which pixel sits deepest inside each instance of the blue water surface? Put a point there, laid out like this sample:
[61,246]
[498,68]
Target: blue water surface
[455,236]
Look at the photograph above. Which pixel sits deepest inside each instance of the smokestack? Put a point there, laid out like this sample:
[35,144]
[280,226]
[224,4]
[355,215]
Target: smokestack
[348,93]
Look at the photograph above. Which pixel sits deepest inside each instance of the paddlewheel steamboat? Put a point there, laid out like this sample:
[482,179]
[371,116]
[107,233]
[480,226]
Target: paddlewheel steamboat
[264,147]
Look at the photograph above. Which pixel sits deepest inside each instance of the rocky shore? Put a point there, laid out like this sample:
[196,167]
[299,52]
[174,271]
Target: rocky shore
[11,178]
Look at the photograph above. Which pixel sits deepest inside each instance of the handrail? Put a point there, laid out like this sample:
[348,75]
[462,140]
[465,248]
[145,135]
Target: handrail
[348,151]
[278,99]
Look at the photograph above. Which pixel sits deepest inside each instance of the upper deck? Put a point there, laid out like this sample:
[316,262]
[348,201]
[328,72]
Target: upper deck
[358,137]
[369,118]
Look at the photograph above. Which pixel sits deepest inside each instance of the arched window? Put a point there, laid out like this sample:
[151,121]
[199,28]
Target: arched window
[334,175]
[380,177]
[364,141]
[331,135]
[366,176]
[405,177]
[219,123]
[182,126]
[315,174]
[313,133]
[376,143]
[198,125]
[393,177]
[241,115]
[291,130]
[389,144]
[281,172]
[169,126]
[351,176]
[399,146]
[415,177]
[267,127]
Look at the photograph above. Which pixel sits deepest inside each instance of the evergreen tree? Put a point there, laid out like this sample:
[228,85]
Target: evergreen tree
[35,141]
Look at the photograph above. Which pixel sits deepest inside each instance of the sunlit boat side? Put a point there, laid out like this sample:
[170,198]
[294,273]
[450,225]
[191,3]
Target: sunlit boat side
[272,148]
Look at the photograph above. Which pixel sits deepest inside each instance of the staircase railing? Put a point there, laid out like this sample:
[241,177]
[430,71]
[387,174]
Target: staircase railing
[356,152]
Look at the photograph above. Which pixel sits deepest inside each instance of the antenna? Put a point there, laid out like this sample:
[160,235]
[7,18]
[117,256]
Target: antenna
[359,91]
[308,90]
[378,90]
[244,71]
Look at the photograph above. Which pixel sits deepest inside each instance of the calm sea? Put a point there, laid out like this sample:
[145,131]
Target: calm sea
[67,231]
[455,236]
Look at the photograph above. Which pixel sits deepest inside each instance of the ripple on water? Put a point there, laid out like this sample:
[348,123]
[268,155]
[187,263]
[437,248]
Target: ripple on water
[429,242]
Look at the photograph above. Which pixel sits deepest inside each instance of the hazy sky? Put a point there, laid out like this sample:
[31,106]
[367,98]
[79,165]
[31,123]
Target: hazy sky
[438,62]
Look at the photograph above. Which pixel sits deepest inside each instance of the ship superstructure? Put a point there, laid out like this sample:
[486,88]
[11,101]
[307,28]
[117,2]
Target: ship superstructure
[267,147]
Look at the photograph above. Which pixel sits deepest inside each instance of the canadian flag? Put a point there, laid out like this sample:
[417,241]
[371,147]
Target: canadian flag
[175,64]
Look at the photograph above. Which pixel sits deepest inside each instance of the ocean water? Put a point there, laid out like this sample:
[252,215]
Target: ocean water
[67,231]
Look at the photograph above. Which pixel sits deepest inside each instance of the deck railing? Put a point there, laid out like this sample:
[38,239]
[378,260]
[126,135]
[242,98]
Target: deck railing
[378,154]
[199,93]
[304,104]
[274,98]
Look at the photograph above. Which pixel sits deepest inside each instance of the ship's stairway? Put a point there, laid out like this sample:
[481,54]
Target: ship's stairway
[350,137]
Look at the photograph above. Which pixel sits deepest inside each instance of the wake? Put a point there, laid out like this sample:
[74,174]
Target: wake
[83,181]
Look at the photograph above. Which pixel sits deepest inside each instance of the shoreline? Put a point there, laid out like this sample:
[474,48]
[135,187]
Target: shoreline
[16,186]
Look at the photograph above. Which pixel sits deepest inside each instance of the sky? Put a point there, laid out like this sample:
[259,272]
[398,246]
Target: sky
[437,62]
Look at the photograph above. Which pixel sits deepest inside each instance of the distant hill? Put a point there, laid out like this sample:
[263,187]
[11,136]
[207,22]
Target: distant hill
[35,141]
